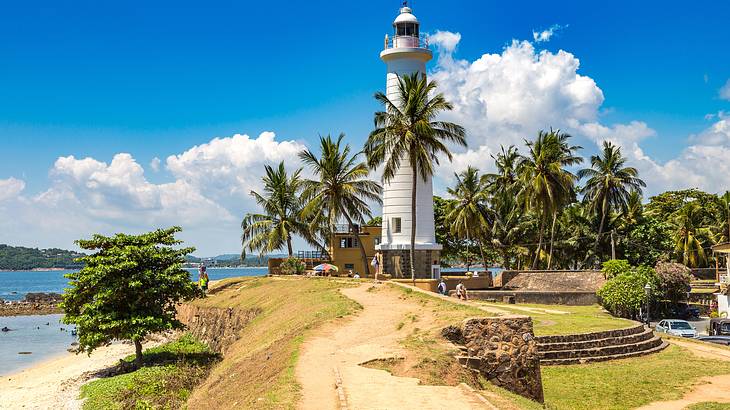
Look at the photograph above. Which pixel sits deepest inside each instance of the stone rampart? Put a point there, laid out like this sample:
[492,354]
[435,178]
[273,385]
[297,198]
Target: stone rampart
[219,328]
[503,350]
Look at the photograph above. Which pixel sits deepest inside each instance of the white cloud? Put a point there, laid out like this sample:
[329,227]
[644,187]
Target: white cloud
[155,164]
[504,98]
[725,91]
[10,188]
[207,196]
[545,35]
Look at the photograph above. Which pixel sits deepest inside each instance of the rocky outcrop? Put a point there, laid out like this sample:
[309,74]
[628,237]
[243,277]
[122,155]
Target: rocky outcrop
[503,350]
[43,297]
[33,304]
[219,328]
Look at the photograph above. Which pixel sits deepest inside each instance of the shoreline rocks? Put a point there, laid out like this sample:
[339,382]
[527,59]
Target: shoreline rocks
[33,304]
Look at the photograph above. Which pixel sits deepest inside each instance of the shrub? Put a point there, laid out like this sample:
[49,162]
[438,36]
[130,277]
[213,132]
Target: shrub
[714,314]
[674,280]
[623,295]
[292,266]
[615,267]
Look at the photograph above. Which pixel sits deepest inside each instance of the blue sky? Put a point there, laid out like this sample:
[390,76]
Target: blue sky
[154,79]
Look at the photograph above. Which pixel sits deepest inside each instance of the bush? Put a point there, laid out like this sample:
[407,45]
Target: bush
[714,314]
[624,294]
[674,280]
[615,267]
[292,266]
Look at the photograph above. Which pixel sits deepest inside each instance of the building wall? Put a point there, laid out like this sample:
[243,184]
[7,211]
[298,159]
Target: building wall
[343,257]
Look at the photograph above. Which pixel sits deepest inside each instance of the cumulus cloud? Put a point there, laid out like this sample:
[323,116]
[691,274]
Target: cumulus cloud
[504,98]
[155,164]
[542,36]
[10,188]
[725,91]
[207,195]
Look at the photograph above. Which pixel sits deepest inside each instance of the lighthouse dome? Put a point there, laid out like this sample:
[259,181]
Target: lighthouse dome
[405,16]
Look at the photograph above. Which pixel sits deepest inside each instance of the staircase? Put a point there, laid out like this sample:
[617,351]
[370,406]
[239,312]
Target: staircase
[581,348]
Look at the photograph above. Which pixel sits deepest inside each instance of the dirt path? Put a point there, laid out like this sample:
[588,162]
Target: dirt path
[329,371]
[55,384]
[709,389]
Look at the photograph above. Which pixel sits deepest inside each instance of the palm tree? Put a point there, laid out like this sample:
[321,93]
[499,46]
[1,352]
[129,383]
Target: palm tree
[342,188]
[406,134]
[506,176]
[723,218]
[546,186]
[271,230]
[688,233]
[467,215]
[609,184]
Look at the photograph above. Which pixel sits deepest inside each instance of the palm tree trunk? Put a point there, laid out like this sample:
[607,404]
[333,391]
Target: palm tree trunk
[288,246]
[467,249]
[539,241]
[598,237]
[359,242]
[413,225]
[481,251]
[137,353]
[552,238]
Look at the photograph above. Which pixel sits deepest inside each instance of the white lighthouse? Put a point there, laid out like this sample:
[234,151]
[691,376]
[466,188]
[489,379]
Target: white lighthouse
[405,53]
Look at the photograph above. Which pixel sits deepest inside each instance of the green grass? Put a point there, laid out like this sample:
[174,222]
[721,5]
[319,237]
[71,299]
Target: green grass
[709,406]
[579,319]
[170,373]
[627,383]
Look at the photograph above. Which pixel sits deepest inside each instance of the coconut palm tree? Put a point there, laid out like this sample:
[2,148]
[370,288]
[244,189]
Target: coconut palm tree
[688,235]
[407,135]
[467,215]
[273,229]
[609,184]
[546,185]
[506,175]
[342,188]
[722,230]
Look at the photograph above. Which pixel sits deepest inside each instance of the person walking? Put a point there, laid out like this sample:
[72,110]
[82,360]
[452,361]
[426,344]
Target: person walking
[203,279]
[461,291]
[442,287]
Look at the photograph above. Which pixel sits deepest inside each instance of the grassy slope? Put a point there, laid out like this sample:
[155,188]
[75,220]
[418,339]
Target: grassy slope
[170,373]
[581,319]
[627,383]
[258,370]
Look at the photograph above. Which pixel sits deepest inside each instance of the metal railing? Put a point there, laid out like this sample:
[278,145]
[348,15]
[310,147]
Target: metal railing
[420,41]
[312,255]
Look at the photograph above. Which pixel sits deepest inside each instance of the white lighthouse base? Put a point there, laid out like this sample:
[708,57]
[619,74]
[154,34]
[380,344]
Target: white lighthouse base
[397,262]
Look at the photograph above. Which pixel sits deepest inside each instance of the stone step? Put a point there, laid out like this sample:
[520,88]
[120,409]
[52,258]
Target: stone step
[582,360]
[602,351]
[646,334]
[579,337]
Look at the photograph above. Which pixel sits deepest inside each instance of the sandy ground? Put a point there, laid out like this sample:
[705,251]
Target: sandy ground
[709,389]
[329,371]
[54,384]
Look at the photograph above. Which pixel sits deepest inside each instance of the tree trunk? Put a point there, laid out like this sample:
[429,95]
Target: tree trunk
[600,230]
[467,250]
[481,251]
[539,242]
[552,238]
[138,353]
[288,245]
[413,226]
[613,245]
[359,242]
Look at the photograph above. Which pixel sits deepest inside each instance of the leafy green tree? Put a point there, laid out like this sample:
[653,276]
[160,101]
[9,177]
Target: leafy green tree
[648,241]
[273,229]
[342,188]
[615,267]
[674,280]
[467,214]
[452,246]
[609,184]
[689,235]
[722,218]
[407,135]
[624,294]
[546,185]
[128,288]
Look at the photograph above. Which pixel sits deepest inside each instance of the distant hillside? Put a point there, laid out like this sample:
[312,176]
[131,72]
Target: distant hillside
[231,259]
[21,258]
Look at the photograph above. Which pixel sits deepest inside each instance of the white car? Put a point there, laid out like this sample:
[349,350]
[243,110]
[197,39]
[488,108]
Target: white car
[676,327]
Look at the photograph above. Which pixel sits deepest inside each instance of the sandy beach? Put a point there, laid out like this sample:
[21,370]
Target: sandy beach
[55,383]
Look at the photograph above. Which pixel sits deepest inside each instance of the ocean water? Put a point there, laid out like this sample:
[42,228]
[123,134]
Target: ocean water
[15,284]
[42,335]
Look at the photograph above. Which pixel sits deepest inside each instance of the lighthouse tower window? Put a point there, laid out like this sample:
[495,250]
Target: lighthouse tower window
[396,225]
[407,29]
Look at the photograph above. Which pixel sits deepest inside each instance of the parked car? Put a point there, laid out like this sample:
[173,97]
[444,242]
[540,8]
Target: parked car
[676,327]
[721,340]
[684,311]
[719,326]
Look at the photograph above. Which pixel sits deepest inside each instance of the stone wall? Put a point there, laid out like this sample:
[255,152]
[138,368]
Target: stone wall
[219,328]
[423,260]
[539,297]
[503,350]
